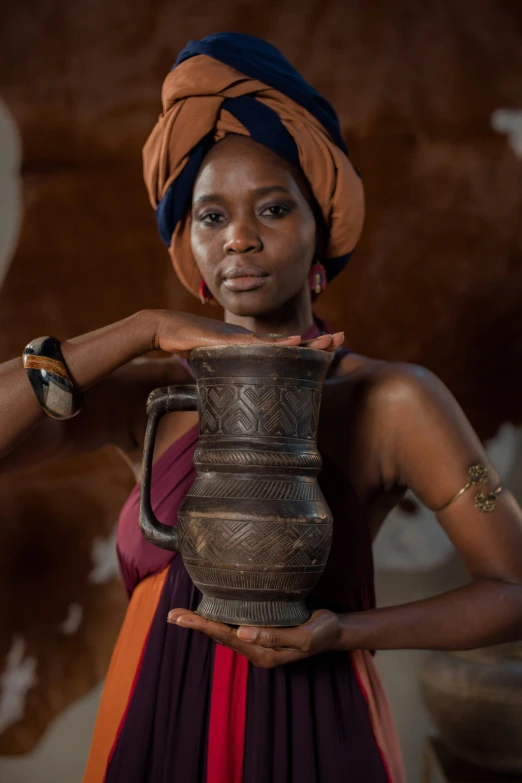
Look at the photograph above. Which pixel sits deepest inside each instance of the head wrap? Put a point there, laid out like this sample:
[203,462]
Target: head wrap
[237,83]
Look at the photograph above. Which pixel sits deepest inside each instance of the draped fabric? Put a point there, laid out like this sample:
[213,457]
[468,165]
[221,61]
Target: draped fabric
[234,83]
[178,707]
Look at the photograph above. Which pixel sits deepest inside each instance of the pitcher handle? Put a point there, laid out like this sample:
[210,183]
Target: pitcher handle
[160,402]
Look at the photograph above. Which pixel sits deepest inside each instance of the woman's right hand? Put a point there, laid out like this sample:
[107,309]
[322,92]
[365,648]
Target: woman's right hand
[176,332]
[94,357]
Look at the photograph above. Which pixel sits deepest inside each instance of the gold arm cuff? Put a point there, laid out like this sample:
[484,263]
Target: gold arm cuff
[486,503]
[478,474]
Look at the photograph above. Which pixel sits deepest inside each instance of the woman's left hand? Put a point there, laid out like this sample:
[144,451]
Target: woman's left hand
[269,647]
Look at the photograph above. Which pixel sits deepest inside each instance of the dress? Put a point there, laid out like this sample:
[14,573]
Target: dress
[178,708]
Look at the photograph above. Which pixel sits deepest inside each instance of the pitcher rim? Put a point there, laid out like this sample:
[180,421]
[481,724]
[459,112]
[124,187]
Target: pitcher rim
[282,350]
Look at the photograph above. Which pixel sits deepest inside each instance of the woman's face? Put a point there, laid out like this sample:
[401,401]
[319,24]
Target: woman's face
[253,232]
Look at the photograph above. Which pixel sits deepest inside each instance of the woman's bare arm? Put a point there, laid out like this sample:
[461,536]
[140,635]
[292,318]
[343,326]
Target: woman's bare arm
[89,358]
[428,445]
[113,413]
[113,400]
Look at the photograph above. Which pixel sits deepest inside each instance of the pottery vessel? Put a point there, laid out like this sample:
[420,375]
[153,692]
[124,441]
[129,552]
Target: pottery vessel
[254,530]
[475,700]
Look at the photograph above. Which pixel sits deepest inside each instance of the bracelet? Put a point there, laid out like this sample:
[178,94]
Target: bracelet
[51,381]
[478,474]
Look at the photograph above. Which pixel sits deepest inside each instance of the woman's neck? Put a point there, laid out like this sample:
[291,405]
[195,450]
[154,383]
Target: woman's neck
[294,317]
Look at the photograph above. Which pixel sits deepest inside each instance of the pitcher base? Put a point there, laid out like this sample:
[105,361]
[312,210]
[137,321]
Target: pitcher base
[262,613]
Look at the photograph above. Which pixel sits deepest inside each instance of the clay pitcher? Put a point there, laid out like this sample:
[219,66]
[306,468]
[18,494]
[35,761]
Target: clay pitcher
[254,530]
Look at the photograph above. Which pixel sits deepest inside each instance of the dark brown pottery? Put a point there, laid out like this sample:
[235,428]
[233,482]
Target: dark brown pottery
[254,530]
[474,698]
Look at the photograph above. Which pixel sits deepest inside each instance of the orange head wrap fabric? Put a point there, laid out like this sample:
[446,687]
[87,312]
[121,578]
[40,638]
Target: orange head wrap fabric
[199,109]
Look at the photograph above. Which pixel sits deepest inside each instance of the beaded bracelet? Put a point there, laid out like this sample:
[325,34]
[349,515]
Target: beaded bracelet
[50,378]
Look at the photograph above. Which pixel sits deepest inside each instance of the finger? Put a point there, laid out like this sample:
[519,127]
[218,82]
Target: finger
[336,342]
[215,339]
[219,632]
[277,339]
[173,615]
[288,639]
[259,655]
[337,339]
[319,343]
[262,339]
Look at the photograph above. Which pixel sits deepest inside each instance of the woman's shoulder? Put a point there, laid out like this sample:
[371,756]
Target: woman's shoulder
[390,383]
[370,405]
[387,380]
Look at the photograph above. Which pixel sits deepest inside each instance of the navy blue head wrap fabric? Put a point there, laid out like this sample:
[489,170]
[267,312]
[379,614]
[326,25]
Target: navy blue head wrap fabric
[260,60]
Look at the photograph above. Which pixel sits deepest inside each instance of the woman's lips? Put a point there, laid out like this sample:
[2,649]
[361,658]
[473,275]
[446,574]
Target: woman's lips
[244,278]
[246,283]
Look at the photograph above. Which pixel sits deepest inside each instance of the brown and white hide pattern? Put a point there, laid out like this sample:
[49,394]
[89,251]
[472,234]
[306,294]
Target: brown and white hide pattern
[437,278]
[61,601]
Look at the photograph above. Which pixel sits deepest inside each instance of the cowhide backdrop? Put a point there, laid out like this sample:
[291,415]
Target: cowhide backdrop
[430,99]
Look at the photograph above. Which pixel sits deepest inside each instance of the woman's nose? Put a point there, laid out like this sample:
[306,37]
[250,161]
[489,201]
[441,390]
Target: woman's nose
[242,239]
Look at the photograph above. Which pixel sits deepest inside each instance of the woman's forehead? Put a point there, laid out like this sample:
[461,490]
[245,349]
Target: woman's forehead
[239,163]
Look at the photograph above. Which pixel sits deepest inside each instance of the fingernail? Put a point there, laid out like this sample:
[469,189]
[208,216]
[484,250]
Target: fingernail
[247,634]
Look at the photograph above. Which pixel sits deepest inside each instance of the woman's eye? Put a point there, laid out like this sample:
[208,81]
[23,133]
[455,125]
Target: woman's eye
[211,218]
[275,211]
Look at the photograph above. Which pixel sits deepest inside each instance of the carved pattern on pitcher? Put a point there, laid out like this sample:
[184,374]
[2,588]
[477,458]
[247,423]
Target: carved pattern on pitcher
[260,459]
[238,612]
[250,409]
[254,542]
[255,489]
[254,580]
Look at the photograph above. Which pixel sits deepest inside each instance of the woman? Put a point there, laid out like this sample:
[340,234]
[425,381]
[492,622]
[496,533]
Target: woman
[260,208]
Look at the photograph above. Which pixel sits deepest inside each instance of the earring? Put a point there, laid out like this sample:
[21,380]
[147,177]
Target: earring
[318,281]
[205,294]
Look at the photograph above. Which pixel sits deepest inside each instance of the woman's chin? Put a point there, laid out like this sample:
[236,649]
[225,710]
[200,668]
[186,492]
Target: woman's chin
[250,304]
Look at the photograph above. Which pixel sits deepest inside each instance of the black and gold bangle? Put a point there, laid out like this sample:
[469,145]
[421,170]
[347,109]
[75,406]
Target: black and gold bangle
[50,378]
